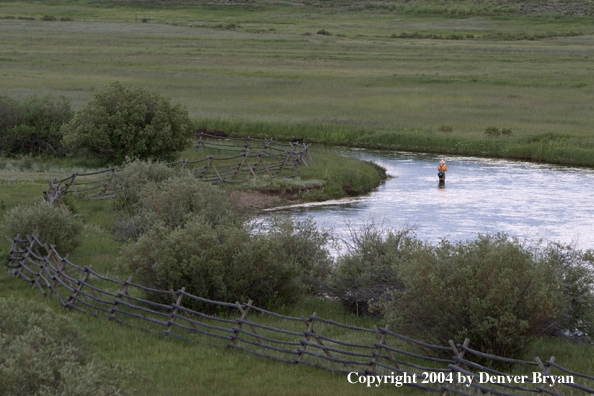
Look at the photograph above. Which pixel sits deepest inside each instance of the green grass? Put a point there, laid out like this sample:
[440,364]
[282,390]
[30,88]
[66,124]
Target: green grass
[166,365]
[266,72]
[271,75]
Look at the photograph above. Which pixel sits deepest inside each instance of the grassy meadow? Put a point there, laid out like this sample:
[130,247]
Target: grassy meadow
[421,75]
[327,71]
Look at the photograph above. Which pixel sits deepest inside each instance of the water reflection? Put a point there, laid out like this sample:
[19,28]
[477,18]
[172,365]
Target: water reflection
[531,201]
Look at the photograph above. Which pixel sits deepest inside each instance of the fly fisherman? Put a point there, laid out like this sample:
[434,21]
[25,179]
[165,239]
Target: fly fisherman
[441,170]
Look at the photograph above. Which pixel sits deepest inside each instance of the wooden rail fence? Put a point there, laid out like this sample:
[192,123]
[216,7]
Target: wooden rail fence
[313,341]
[245,158]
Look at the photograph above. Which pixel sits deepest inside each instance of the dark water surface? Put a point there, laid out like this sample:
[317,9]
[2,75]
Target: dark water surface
[527,200]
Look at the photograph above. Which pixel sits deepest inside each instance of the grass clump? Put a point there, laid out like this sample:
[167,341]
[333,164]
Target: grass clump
[54,225]
[42,353]
[125,122]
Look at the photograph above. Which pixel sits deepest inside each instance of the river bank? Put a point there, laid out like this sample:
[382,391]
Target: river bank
[551,147]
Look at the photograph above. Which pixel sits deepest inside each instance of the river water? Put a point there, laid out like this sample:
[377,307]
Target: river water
[527,200]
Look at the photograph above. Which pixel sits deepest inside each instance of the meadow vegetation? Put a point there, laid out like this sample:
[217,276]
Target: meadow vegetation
[250,68]
[479,78]
[44,353]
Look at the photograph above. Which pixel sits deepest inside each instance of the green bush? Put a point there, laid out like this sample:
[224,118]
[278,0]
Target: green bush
[53,224]
[575,269]
[224,263]
[42,354]
[135,122]
[491,290]
[369,268]
[173,202]
[33,126]
[303,244]
[132,177]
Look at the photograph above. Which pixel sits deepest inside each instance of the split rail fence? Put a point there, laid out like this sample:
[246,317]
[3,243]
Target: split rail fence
[313,341]
[244,158]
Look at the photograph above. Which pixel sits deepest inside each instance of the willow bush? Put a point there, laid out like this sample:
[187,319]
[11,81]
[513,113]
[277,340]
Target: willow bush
[494,290]
[121,122]
[222,262]
[43,354]
[183,232]
[370,265]
[54,225]
[34,125]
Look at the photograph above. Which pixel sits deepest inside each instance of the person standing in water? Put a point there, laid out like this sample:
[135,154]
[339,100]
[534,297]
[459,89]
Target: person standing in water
[441,170]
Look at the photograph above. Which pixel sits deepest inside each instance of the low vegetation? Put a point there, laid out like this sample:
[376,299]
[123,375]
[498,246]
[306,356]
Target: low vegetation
[33,126]
[494,290]
[467,75]
[54,225]
[187,233]
[44,354]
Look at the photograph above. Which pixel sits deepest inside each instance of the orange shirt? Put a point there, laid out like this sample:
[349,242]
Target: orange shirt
[442,167]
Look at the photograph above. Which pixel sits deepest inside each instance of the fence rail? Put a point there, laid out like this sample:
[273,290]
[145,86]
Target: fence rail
[300,340]
[246,158]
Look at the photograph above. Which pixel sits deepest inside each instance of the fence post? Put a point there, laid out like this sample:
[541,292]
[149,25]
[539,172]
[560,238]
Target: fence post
[546,372]
[13,249]
[60,267]
[378,351]
[122,294]
[81,284]
[241,165]
[310,330]
[460,355]
[175,309]
[244,317]
[289,154]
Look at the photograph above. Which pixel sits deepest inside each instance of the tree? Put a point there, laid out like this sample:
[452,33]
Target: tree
[125,122]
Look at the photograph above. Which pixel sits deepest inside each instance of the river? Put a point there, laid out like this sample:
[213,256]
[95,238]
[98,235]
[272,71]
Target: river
[527,200]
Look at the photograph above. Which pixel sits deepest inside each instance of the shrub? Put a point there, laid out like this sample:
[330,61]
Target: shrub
[324,32]
[53,224]
[491,290]
[224,263]
[42,353]
[48,18]
[34,125]
[575,269]
[135,122]
[369,268]
[174,201]
[132,177]
[303,244]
